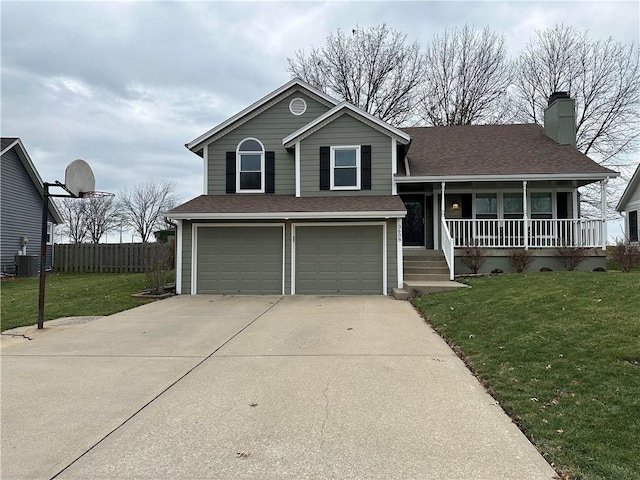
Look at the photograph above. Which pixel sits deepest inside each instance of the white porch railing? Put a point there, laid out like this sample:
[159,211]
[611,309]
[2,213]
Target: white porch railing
[448,248]
[501,233]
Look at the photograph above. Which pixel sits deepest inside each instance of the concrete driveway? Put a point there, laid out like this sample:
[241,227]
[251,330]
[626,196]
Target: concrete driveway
[253,388]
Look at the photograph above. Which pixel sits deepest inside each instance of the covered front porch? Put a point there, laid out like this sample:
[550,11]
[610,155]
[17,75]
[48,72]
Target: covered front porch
[534,214]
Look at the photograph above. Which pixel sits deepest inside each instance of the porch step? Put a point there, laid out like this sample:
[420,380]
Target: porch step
[425,266]
[427,277]
[419,267]
[416,288]
[423,254]
[400,294]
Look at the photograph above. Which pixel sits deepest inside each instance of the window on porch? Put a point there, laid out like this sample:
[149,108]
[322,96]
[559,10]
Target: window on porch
[503,220]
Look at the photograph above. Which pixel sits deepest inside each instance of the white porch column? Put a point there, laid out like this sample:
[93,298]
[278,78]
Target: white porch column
[399,254]
[603,212]
[178,265]
[442,208]
[525,215]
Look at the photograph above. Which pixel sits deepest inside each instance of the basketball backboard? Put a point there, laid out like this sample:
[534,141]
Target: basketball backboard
[78,178]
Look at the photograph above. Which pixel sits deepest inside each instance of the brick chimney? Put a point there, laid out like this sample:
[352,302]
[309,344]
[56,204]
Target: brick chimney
[560,119]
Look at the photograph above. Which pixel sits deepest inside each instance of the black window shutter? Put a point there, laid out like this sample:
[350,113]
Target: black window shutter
[231,172]
[270,167]
[365,167]
[325,166]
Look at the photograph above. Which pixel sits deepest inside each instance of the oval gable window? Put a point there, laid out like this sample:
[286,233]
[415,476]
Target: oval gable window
[297,106]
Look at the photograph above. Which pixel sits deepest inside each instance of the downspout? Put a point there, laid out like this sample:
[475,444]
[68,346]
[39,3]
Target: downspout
[603,206]
[525,215]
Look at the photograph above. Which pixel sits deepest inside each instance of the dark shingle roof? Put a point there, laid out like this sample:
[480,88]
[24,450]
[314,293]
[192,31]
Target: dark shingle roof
[493,150]
[256,204]
[6,141]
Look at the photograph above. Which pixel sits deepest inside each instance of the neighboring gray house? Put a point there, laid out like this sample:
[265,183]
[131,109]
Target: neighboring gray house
[21,206]
[629,206]
[305,194]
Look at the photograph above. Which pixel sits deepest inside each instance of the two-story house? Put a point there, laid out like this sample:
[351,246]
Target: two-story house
[307,195]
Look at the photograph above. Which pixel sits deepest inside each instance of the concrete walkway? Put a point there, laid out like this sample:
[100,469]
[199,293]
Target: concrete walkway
[253,388]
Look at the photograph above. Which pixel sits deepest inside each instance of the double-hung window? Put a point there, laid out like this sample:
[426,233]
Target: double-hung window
[513,205]
[541,205]
[486,205]
[250,167]
[345,168]
[633,225]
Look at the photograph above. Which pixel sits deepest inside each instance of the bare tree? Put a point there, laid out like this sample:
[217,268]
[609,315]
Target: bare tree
[603,78]
[143,206]
[467,74]
[74,217]
[374,69]
[101,216]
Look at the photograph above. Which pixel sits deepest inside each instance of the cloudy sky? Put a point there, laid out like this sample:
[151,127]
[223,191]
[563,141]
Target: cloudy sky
[124,85]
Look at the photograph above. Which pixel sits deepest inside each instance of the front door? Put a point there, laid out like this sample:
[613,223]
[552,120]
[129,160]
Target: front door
[413,223]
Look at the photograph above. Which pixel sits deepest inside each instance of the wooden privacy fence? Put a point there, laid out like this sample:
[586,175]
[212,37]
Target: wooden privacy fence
[103,257]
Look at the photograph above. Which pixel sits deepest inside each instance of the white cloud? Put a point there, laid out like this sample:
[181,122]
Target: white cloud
[125,85]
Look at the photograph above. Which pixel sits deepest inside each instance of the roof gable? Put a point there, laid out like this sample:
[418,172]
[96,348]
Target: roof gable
[256,108]
[15,143]
[497,151]
[634,183]
[338,111]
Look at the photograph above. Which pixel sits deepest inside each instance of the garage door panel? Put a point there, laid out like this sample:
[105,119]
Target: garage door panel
[239,260]
[339,259]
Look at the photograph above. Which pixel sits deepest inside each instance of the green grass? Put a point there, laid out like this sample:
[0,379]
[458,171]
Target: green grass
[554,350]
[69,295]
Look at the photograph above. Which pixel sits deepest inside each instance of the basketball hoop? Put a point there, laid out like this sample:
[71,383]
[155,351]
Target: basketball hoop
[96,194]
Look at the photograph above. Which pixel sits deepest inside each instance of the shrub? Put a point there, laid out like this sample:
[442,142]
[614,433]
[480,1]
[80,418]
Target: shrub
[473,258]
[626,254]
[521,259]
[571,257]
[157,266]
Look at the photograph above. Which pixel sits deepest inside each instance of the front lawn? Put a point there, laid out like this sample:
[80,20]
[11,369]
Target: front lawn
[561,353]
[69,295]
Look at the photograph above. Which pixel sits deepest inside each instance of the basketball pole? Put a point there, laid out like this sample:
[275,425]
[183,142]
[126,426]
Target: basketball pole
[43,245]
[43,254]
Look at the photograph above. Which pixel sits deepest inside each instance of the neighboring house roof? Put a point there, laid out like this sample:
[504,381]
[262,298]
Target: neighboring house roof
[634,183]
[495,151]
[7,143]
[288,206]
[256,108]
[338,111]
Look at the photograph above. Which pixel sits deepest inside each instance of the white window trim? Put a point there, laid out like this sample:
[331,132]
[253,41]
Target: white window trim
[262,166]
[358,169]
[303,110]
[50,233]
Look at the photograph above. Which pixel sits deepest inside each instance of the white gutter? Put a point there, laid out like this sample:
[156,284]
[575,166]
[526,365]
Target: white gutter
[516,177]
[286,215]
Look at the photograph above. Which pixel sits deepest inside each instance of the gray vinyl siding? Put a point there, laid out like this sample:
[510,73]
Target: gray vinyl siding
[634,201]
[270,127]
[345,130]
[20,211]
[187,236]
